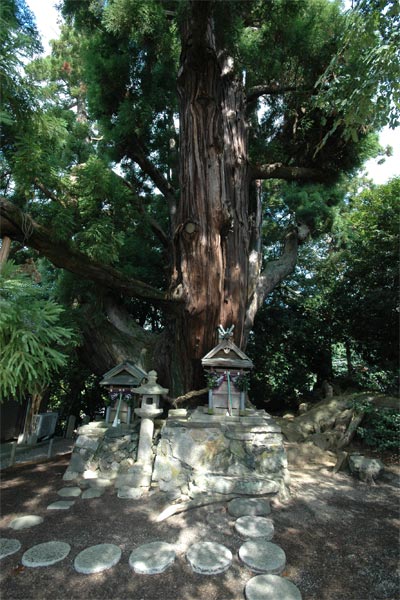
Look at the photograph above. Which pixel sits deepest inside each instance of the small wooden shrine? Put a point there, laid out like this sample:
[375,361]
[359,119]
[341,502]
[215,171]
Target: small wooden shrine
[227,373]
[122,381]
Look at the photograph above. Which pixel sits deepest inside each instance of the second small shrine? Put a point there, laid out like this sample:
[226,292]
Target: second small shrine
[122,381]
[227,370]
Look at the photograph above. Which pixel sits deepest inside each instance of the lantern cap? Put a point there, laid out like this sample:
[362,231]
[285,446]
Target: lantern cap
[151,388]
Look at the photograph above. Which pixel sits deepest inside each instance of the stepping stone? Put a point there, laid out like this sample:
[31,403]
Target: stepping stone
[133,493]
[92,493]
[97,558]
[271,587]
[61,505]
[255,527]
[100,482]
[152,558]
[262,557]
[239,507]
[44,555]
[209,558]
[25,522]
[8,546]
[70,492]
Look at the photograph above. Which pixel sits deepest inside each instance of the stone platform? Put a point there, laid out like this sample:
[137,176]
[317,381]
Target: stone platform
[201,453]
[193,453]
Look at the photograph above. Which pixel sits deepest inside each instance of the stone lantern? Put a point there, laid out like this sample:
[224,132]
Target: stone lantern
[148,411]
[227,373]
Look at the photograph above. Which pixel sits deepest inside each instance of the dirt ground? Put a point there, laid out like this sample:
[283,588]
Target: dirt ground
[340,537]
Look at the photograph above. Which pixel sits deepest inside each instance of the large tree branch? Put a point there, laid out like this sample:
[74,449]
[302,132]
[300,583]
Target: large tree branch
[156,227]
[140,156]
[272,89]
[274,272]
[21,227]
[289,173]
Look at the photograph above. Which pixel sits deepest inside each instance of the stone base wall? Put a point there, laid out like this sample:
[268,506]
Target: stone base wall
[221,454]
[195,453]
[102,451]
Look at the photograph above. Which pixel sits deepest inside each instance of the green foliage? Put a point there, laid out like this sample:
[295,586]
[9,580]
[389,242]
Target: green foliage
[381,426]
[33,339]
[337,317]
[363,275]
[361,82]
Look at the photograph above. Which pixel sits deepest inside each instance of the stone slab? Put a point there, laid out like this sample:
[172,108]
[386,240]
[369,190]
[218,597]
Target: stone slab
[61,505]
[100,482]
[92,493]
[135,479]
[44,555]
[255,527]
[271,587]
[262,557]
[132,493]
[70,475]
[96,559]
[209,558]
[86,441]
[152,558]
[26,521]
[239,507]
[69,492]
[236,484]
[9,546]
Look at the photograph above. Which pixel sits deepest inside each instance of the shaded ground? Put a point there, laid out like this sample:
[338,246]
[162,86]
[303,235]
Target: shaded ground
[340,537]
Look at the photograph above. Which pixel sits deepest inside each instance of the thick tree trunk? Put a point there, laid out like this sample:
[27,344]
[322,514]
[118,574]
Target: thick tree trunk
[211,229]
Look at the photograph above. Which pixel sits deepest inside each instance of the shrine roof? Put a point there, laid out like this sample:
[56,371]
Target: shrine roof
[126,373]
[227,355]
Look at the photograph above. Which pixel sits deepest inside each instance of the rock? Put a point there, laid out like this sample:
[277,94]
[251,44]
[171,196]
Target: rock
[90,474]
[25,521]
[44,555]
[368,469]
[61,505]
[152,558]
[209,558]
[255,527]
[70,475]
[262,557]
[100,482]
[9,546]
[69,492]
[92,493]
[325,440]
[97,558]
[133,493]
[236,484]
[271,587]
[85,441]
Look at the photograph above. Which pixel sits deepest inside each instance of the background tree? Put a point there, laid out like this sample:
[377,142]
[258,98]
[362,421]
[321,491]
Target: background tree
[337,317]
[33,339]
[152,196]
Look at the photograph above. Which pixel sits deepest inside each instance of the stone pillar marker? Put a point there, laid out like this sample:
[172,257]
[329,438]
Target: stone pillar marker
[148,411]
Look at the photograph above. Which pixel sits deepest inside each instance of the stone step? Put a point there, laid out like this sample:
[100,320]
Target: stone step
[223,484]
[262,556]
[271,587]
